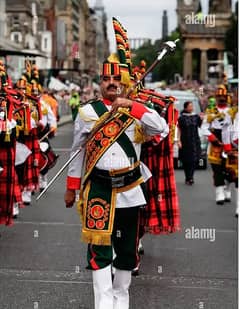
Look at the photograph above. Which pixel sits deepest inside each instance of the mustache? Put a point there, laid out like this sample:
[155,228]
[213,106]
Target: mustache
[111,86]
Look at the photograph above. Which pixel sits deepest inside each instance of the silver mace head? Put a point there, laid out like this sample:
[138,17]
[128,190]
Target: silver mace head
[171,45]
[167,46]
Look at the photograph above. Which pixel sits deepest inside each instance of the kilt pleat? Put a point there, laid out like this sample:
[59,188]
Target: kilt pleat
[162,213]
[7,179]
[30,179]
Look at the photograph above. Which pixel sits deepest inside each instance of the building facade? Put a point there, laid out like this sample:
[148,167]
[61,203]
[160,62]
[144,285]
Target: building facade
[66,33]
[25,27]
[203,36]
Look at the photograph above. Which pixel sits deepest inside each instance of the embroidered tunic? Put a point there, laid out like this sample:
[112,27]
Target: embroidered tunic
[114,157]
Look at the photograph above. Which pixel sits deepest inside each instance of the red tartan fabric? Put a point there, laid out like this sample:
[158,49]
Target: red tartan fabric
[31,166]
[162,214]
[7,180]
[18,192]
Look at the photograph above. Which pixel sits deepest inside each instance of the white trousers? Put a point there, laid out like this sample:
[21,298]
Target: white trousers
[108,294]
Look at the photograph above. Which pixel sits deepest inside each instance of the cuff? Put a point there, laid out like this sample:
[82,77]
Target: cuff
[227,147]
[211,138]
[138,110]
[235,141]
[156,139]
[73,183]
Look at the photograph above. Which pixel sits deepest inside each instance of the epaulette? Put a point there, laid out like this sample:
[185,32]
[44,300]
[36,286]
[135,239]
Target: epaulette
[233,111]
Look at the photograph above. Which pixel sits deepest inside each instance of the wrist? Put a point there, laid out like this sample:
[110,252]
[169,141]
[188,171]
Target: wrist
[71,190]
[130,104]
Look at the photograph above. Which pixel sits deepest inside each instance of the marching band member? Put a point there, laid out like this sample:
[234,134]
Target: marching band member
[111,186]
[8,151]
[48,125]
[217,119]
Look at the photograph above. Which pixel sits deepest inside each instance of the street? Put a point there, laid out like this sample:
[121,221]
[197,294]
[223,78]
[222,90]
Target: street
[42,261]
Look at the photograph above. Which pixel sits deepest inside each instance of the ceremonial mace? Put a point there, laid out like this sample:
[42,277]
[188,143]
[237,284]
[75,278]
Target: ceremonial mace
[168,46]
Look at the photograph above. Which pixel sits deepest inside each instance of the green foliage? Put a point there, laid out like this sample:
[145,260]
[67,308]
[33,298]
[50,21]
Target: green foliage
[231,43]
[169,65]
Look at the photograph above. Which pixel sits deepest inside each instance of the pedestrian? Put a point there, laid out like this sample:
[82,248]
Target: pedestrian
[74,103]
[111,179]
[49,98]
[189,141]
[87,94]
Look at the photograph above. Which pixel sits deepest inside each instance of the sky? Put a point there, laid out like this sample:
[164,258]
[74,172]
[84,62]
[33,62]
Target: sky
[141,18]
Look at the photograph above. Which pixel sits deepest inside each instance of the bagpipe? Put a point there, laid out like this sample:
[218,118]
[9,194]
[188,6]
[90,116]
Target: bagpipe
[17,105]
[164,105]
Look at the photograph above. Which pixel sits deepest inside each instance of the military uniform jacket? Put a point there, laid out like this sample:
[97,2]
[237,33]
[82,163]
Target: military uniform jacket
[114,158]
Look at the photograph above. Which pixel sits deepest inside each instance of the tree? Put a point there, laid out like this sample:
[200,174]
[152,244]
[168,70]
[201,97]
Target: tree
[169,65]
[231,42]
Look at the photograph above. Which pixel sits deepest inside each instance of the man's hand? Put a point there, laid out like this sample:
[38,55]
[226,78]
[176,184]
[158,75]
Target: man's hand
[179,144]
[69,197]
[201,115]
[121,102]
[217,143]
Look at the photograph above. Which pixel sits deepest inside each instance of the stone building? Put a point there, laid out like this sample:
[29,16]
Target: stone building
[102,42]
[203,37]
[70,35]
[90,46]
[25,27]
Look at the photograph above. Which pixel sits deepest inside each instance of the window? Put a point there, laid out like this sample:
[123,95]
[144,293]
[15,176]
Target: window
[15,21]
[16,37]
[45,43]
[62,5]
[34,9]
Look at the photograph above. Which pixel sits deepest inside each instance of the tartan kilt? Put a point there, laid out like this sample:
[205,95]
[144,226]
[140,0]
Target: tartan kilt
[162,213]
[31,171]
[18,192]
[7,179]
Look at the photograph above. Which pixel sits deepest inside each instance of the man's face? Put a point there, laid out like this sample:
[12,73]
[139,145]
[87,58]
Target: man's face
[110,86]
[221,100]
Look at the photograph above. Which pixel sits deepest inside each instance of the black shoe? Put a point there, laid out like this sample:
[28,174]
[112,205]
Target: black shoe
[220,202]
[228,200]
[135,272]
[141,251]
[27,203]
[188,182]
